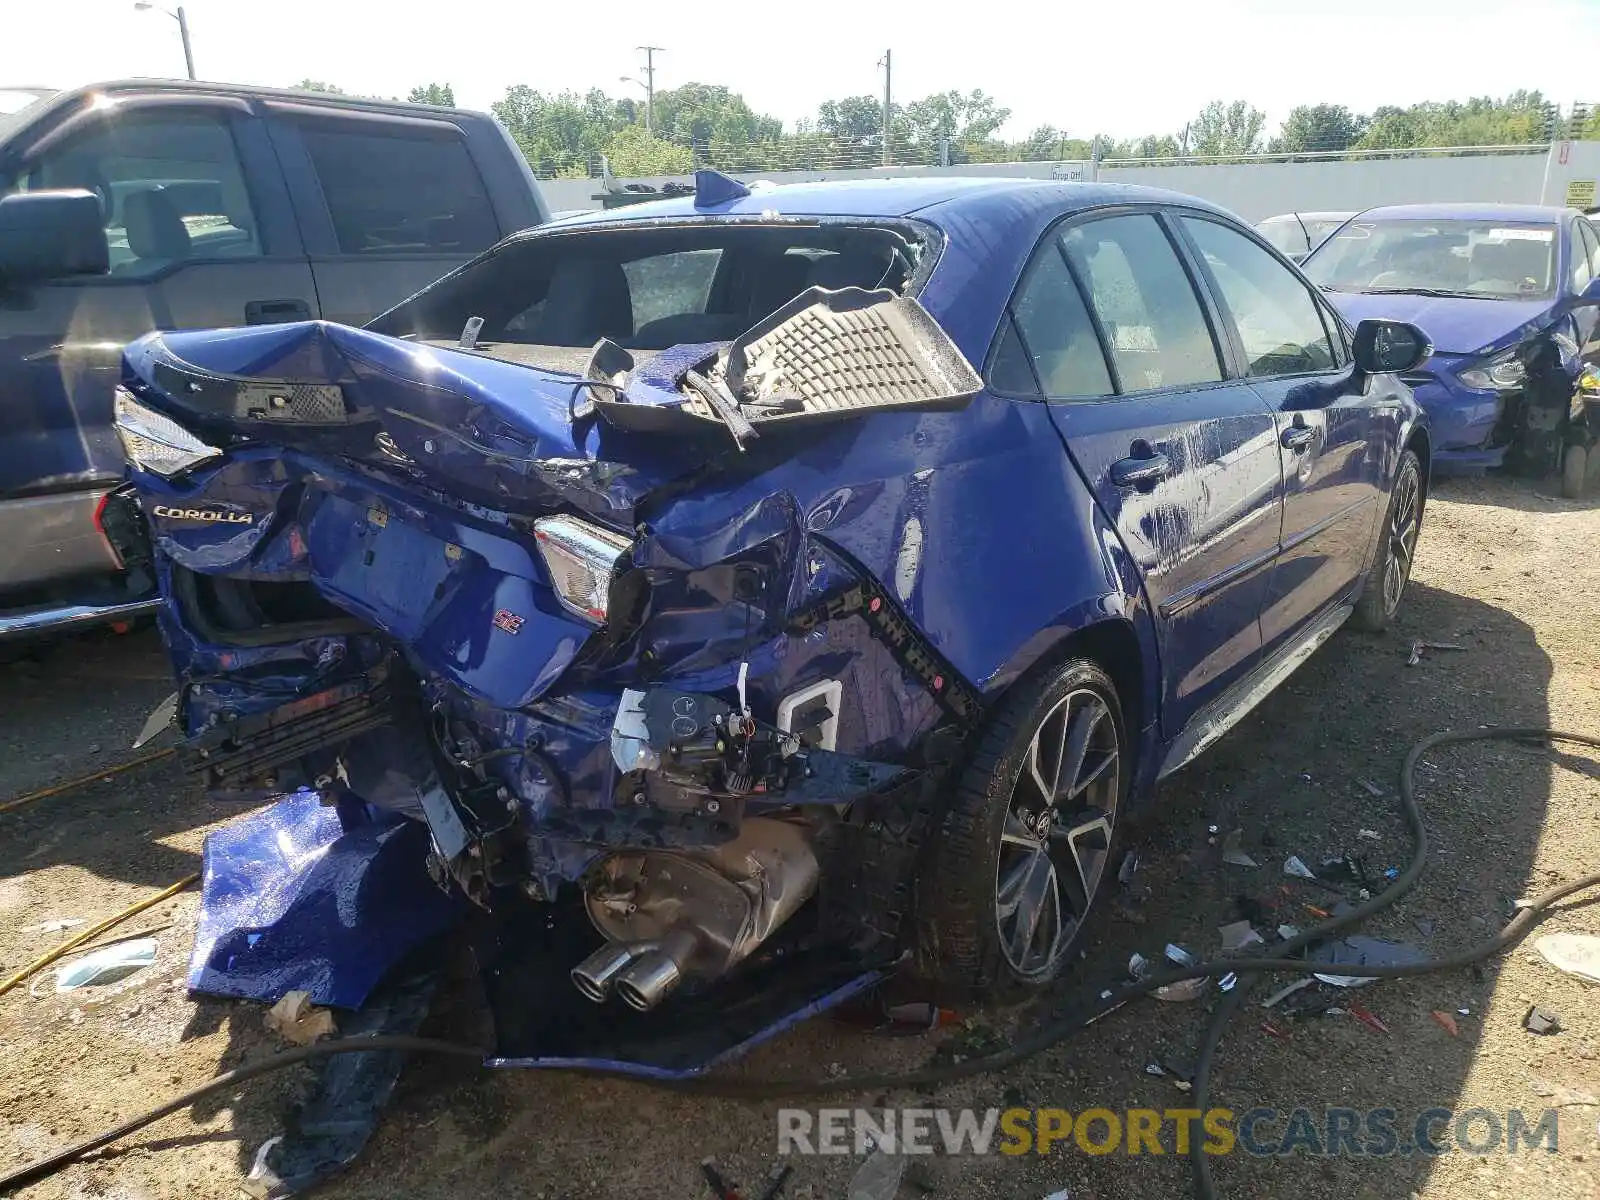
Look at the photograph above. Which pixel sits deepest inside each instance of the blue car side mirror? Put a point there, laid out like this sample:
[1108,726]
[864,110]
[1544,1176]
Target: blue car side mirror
[1591,294]
[1389,347]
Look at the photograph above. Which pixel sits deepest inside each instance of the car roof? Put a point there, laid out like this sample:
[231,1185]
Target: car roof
[1548,214]
[56,104]
[934,196]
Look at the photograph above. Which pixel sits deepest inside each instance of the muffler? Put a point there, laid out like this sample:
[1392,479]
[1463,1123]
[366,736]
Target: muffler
[670,915]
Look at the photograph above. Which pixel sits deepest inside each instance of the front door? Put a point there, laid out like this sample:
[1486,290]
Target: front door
[1336,440]
[188,250]
[1183,462]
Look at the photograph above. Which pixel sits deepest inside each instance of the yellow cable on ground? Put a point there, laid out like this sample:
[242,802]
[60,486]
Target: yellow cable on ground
[57,789]
[66,947]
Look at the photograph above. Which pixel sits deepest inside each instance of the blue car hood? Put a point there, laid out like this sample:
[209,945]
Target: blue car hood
[486,430]
[1455,325]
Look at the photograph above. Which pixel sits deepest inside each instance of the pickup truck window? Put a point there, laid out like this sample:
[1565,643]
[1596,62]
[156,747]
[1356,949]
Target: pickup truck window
[400,191]
[171,189]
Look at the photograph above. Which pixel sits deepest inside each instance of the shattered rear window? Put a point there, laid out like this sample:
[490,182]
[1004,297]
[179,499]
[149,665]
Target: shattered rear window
[648,287]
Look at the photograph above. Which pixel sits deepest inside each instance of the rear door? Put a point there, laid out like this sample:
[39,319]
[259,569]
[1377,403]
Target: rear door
[387,203]
[199,234]
[1183,460]
[1338,442]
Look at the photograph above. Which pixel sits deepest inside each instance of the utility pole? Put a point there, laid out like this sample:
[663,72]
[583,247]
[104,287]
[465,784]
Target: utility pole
[887,65]
[183,32]
[650,53]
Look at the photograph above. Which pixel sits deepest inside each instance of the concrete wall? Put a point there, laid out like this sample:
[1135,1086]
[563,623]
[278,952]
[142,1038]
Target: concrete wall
[1258,190]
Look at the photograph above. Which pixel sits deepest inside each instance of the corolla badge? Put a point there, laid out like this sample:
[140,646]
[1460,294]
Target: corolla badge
[209,516]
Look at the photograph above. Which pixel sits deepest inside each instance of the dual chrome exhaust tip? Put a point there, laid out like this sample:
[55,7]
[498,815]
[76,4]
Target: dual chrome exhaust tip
[642,974]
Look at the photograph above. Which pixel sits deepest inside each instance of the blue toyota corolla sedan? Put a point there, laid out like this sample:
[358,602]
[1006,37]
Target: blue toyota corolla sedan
[1509,293]
[770,582]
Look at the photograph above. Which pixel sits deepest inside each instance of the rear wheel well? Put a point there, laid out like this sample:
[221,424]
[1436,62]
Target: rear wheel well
[1115,647]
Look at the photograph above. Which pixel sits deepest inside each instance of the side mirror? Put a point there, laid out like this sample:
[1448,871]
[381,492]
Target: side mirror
[1389,347]
[1591,294]
[50,235]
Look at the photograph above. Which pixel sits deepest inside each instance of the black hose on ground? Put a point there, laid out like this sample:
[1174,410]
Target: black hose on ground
[1047,1036]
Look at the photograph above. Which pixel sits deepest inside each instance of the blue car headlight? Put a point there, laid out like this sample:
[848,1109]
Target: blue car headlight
[1503,372]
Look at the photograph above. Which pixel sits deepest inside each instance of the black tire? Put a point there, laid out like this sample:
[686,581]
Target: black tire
[1574,469]
[967,940]
[1397,545]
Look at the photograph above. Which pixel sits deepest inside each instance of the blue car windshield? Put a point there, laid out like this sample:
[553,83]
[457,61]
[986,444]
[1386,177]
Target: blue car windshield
[1496,260]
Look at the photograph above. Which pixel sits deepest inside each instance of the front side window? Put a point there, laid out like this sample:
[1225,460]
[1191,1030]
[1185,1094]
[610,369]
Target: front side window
[1501,260]
[1279,323]
[171,190]
[402,191]
[1591,245]
[1157,332]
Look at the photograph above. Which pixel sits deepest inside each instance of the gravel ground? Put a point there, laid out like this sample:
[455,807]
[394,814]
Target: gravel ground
[1512,576]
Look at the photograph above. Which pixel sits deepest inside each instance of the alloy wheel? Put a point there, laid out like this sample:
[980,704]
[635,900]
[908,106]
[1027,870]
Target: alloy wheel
[1056,839]
[1405,519]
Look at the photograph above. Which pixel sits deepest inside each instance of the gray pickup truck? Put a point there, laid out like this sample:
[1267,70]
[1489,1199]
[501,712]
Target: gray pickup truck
[153,204]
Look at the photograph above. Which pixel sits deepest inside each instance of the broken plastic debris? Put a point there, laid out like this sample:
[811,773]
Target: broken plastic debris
[1370,834]
[1063,1194]
[1372,788]
[107,966]
[1418,647]
[295,1019]
[1288,931]
[1186,989]
[1447,1022]
[55,926]
[1293,866]
[1239,935]
[1541,1021]
[262,1183]
[1367,1018]
[1130,864]
[1154,1069]
[1575,953]
[878,1178]
[1361,951]
[1286,991]
[1231,853]
[1228,982]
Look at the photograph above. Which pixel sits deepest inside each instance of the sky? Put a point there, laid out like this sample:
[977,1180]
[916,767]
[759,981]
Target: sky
[1122,69]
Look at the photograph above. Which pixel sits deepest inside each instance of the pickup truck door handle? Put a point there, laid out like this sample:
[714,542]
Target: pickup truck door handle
[1142,472]
[274,312]
[1298,436]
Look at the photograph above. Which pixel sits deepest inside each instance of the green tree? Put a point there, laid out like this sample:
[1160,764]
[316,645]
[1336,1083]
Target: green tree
[633,151]
[1226,129]
[316,85]
[967,119]
[1317,127]
[853,119]
[441,94]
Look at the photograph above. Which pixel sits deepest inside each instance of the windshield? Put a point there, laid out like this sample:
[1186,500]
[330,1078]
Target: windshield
[646,287]
[1497,260]
[14,106]
[1285,234]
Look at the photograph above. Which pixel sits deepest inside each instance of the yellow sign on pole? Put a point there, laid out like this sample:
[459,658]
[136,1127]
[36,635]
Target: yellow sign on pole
[1580,193]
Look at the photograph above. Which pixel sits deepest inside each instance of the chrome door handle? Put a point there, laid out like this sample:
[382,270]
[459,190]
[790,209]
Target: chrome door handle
[1297,437]
[1141,472]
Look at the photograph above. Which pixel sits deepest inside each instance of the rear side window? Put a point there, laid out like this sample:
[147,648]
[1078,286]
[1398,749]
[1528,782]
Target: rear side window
[1051,332]
[670,285]
[1591,245]
[401,192]
[1279,324]
[1158,334]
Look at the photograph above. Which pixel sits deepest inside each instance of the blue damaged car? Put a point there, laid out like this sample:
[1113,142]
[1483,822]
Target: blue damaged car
[1511,295]
[740,596]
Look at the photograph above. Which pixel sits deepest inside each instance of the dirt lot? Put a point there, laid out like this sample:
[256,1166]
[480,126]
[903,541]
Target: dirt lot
[1512,576]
